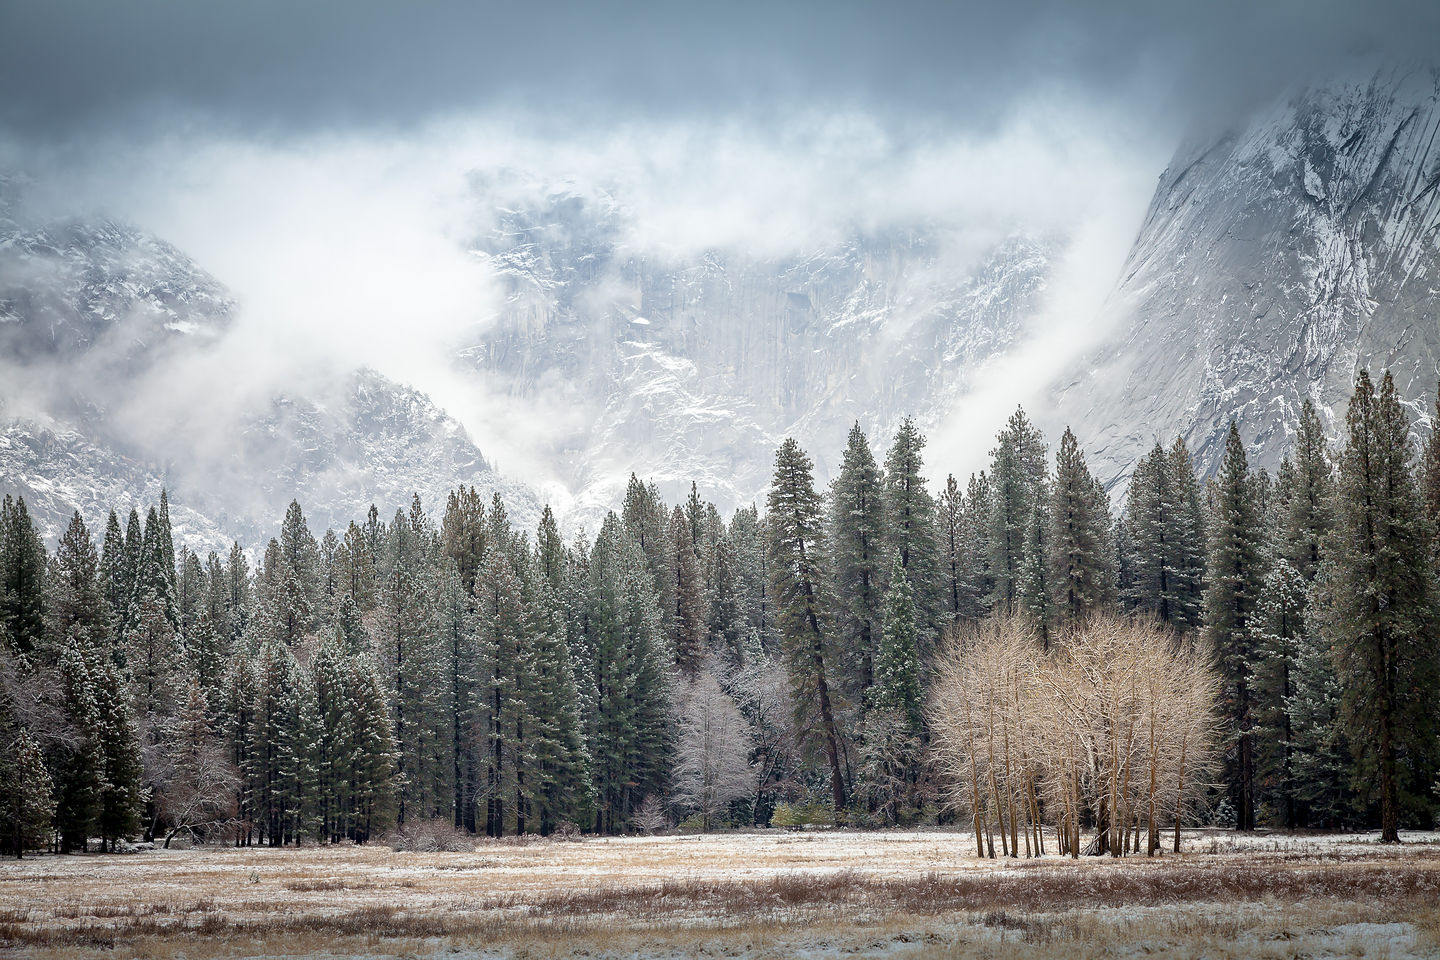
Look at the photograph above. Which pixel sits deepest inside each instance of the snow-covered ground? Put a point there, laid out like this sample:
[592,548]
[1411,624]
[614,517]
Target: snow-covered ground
[767,894]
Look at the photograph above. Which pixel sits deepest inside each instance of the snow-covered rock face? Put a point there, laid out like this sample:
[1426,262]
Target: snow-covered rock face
[91,314]
[696,367]
[1273,263]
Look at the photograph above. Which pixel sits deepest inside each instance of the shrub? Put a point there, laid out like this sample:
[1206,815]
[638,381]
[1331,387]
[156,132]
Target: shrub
[429,836]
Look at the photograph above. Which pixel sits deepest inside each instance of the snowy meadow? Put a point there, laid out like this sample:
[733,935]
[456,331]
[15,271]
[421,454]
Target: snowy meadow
[756,894]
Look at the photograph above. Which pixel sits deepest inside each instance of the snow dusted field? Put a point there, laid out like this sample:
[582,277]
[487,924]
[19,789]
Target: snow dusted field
[915,894]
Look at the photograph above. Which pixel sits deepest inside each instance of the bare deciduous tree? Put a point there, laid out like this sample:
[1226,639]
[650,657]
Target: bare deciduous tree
[1114,728]
[714,765]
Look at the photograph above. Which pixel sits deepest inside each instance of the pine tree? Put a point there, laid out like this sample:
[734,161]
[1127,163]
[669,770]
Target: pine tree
[897,661]
[748,535]
[1188,535]
[1082,554]
[75,601]
[22,579]
[631,743]
[1016,474]
[295,584]
[909,517]
[500,619]
[166,535]
[112,574]
[1430,472]
[462,534]
[1310,509]
[405,642]
[797,557]
[238,590]
[241,684]
[1236,575]
[122,798]
[687,616]
[373,771]
[559,788]
[1380,617]
[1277,636]
[273,738]
[976,545]
[645,514]
[1036,603]
[857,527]
[1320,753]
[356,575]
[726,620]
[77,767]
[134,549]
[462,668]
[27,804]
[550,552]
[1165,538]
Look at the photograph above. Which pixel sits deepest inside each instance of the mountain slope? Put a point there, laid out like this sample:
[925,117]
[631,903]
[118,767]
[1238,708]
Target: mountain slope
[98,324]
[1272,264]
[695,367]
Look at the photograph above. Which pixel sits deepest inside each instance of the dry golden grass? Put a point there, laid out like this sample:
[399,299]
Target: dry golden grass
[915,894]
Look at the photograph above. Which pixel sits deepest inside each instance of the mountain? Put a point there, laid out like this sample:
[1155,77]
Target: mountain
[102,330]
[1274,262]
[695,367]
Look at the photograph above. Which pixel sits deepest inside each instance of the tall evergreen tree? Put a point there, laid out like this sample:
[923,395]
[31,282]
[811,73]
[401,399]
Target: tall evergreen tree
[645,514]
[165,534]
[22,579]
[1017,473]
[1380,617]
[113,574]
[631,742]
[1236,574]
[1165,538]
[857,529]
[1082,554]
[75,606]
[909,517]
[687,590]
[77,767]
[27,802]
[122,797]
[797,557]
[462,534]
[897,673]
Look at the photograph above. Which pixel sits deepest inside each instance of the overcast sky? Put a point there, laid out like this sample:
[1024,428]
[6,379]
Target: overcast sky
[269,67]
[314,156]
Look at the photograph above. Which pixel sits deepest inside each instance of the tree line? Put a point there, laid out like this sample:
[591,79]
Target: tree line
[1010,653]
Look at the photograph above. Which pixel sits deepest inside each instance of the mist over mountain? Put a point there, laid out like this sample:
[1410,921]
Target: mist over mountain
[1275,259]
[398,258]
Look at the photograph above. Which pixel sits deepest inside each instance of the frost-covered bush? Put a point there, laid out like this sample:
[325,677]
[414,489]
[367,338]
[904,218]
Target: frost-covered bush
[429,836]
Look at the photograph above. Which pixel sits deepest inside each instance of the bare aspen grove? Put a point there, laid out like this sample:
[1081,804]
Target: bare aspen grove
[1112,727]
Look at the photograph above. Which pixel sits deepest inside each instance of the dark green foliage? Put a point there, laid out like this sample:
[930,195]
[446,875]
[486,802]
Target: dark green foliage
[909,524]
[26,800]
[797,557]
[897,661]
[631,742]
[1082,553]
[686,620]
[1232,594]
[1379,614]
[1017,475]
[22,579]
[1164,536]
[857,525]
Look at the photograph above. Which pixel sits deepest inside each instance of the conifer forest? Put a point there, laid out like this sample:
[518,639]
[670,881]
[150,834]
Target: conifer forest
[1011,654]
